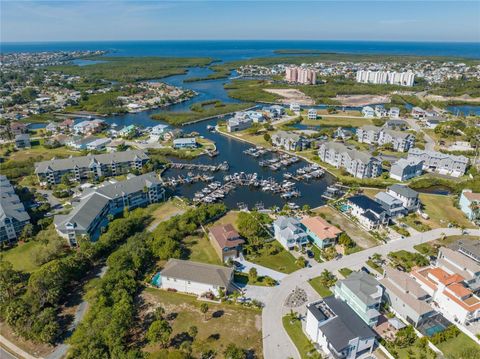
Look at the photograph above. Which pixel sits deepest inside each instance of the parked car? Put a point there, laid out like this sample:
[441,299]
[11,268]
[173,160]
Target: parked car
[310,254]
[237,265]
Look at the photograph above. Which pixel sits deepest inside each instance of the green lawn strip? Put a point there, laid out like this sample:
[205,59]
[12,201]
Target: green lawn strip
[298,337]
[345,272]
[242,278]
[426,249]
[408,260]
[180,118]
[319,287]
[375,266]
[283,261]
[410,352]
[22,256]
[452,348]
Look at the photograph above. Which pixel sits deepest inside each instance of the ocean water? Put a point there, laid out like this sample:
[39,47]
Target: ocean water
[233,50]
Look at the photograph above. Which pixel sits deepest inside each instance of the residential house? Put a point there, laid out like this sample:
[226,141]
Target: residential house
[239,122]
[289,141]
[440,162]
[338,330]
[90,166]
[255,116]
[363,293]
[418,112]
[405,169]
[226,241]
[358,164]
[98,144]
[52,127]
[113,145]
[393,206]
[22,141]
[195,278]
[368,212]
[431,122]
[470,205]
[289,232]
[13,216]
[80,143]
[469,248]
[89,127]
[395,124]
[394,112]
[66,125]
[158,130]
[322,233]
[92,212]
[312,114]
[450,295]
[368,112]
[380,111]
[406,195]
[455,262]
[295,107]
[180,143]
[274,111]
[128,131]
[17,128]
[406,297]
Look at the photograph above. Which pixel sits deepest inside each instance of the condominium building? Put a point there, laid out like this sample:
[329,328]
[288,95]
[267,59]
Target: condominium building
[453,261]
[440,162]
[90,166]
[401,141]
[386,77]
[363,293]
[94,208]
[358,164]
[404,169]
[300,75]
[13,216]
[289,141]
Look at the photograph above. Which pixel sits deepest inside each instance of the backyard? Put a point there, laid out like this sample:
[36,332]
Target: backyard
[454,347]
[244,324]
[199,249]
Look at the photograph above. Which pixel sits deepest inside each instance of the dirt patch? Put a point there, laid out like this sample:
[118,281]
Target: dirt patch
[292,96]
[465,98]
[361,100]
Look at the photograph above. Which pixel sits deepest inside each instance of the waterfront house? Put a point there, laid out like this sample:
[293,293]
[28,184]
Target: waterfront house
[158,130]
[312,114]
[406,297]
[17,128]
[66,125]
[91,166]
[394,112]
[470,204]
[128,131]
[89,127]
[91,213]
[195,278]
[255,116]
[226,241]
[393,206]
[442,163]
[358,164]
[289,232]
[52,127]
[239,122]
[98,144]
[368,112]
[338,330]
[406,195]
[418,112]
[80,143]
[368,212]
[181,143]
[295,107]
[289,141]
[322,233]
[22,141]
[13,216]
[363,293]
[403,169]
[380,111]
[274,111]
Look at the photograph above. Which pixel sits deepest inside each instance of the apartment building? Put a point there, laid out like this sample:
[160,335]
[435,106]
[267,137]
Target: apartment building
[289,141]
[90,166]
[94,208]
[13,216]
[401,141]
[440,162]
[405,169]
[363,293]
[358,164]
[300,75]
[386,77]
[406,297]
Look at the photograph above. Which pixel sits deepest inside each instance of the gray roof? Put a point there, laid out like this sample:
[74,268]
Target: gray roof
[344,326]
[403,162]
[352,153]
[22,137]
[470,248]
[384,197]
[399,134]
[10,204]
[363,285]
[371,128]
[198,272]
[92,204]
[439,155]
[402,190]
[84,161]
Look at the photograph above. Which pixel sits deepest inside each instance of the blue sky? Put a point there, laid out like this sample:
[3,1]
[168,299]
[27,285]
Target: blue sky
[181,20]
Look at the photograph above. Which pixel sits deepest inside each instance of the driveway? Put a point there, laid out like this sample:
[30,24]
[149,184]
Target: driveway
[276,342]
[429,142]
[261,271]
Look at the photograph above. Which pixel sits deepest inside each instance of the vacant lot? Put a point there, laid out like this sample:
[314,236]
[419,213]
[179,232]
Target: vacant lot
[40,153]
[453,348]
[292,95]
[229,218]
[22,256]
[442,211]
[223,324]
[200,250]
[166,210]
[361,100]
[282,261]
[338,120]
[362,238]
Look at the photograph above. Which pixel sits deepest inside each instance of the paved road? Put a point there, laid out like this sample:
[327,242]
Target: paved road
[276,342]
[429,142]
[6,355]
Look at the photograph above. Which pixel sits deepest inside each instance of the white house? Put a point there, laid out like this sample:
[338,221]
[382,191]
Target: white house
[98,144]
[312,114]
[289,232]
[194,278]
[295,107]
[394,112]
[158,130]
[368,112]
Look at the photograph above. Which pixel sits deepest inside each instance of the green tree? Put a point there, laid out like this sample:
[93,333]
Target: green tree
[204,310]
[252,275]
[345,240]
[27,232]
[193,331]
[159,332]
[234,352]
[327,278]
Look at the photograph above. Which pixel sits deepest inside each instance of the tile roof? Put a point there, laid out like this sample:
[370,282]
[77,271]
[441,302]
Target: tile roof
[320,227]
[226,236]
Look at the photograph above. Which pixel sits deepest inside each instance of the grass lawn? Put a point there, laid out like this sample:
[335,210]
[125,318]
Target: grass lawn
[338,121]
[374,266]
[371,192]
[345,272]
[453,348]
[426,249]
[200,250]
[229,218]
[224,323]
[22,256]
[402,353]
[295,332]
[442,211]
[40,153]
[166,210]
[408,260]
[319,287]
[242,278]
[362,238]
[282,261]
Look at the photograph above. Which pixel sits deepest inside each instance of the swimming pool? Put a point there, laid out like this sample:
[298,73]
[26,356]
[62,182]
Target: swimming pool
[344,207]
[434,329]
[157,280]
